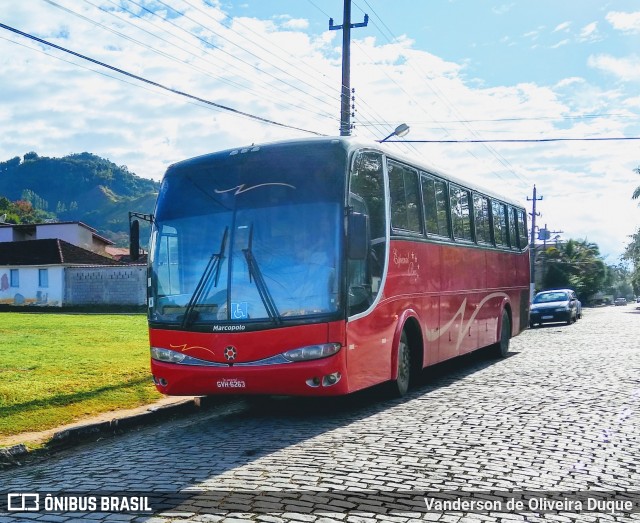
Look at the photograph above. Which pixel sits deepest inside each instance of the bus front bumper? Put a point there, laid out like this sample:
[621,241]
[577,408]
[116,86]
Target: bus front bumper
[323,377]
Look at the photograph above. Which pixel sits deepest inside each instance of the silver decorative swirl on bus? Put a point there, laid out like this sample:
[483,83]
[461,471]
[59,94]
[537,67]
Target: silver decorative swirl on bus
[463,328]
[243,187]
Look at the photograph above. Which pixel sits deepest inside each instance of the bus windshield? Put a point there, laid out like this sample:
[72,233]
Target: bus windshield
[250,236]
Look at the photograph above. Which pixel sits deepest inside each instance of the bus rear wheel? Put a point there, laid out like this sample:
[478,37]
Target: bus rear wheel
[400,385]
[501,349]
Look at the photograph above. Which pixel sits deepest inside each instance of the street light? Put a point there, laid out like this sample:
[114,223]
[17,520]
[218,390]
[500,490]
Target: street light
[400,131]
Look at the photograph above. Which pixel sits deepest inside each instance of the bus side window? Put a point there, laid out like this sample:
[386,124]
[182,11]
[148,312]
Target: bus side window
[168,277]
[499,224]
[460,213]
[435,206]
[481,218]
[512,228]
[522,229]
[366,195]
[405,198]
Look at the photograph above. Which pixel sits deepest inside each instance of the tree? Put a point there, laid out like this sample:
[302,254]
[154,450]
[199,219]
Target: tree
[618,281]
[9,165]
[632,251]
[636,193]
[576,264]
[632,254]
[30,156]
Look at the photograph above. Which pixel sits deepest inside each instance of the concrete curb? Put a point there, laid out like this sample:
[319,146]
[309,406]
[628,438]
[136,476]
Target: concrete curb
[14,455]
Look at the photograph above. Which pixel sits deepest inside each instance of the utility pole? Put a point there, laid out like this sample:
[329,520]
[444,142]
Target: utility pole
[533,237]
[345,113]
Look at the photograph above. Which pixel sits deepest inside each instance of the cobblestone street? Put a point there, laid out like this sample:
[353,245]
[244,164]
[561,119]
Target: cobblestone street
[560,414]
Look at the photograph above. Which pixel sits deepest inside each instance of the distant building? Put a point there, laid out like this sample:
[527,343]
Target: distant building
[36,269]
[123,255]
[75,233]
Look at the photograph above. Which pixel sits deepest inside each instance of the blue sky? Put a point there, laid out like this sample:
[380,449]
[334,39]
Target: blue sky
[451,69]
[502,43]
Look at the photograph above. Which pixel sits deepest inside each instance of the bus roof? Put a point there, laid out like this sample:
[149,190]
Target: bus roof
[352,144]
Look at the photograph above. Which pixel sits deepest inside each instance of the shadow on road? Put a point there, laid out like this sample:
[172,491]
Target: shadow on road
[179,460]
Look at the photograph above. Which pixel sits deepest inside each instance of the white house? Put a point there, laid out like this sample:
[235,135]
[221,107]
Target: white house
[53,272]
[75,233]
[32,272]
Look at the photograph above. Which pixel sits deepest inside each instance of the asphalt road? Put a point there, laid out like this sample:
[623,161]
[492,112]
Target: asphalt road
[551,433]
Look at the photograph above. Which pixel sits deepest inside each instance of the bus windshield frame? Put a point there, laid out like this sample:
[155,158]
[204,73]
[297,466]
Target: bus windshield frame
[249,239]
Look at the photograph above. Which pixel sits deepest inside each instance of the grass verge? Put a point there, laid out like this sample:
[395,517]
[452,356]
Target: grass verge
[58,368]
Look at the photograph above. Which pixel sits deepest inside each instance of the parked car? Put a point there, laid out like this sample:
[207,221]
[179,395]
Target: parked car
[553,306]
[620,301]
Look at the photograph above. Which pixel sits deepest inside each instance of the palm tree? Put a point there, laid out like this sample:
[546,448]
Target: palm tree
[636,193]
[576,264]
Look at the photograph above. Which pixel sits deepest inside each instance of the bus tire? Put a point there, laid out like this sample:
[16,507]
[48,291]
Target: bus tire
[501,349]
[400,385]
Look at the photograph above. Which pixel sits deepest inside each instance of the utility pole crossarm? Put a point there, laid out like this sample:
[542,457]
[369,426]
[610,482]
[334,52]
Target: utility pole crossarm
[333,27]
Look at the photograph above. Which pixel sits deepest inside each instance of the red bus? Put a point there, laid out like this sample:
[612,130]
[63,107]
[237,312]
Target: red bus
[325,266]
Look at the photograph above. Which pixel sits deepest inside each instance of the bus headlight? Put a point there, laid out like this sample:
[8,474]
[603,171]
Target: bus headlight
[312,352]
[170,356]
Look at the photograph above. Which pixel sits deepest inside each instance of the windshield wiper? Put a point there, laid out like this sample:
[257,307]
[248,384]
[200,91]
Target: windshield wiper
[263,290]
[209,277]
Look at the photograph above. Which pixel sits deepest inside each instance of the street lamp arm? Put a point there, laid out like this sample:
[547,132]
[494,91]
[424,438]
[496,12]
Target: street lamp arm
[400,131]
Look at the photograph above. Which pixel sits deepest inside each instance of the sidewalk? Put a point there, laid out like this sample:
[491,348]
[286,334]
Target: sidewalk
[15,448]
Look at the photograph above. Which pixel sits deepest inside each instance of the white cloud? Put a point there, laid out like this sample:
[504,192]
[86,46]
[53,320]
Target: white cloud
[627,22]
[533,35]
[502,9]
[625,69]
[296,23]
[55,104]
[563,27]
[589,33]
[632,103]
[569,81]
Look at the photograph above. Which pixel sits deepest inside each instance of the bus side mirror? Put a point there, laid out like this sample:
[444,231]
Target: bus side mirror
[358,236]
[134,241]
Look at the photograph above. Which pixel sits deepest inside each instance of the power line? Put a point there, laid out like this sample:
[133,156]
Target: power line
[311,71]
[533,140]
[276,101]
[376,121]
[156,84]
[321,100]
[106,75]
[526,118]
[541,118]
[442,97]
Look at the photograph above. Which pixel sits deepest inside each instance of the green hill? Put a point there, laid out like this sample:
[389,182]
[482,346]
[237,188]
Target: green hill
[78,187]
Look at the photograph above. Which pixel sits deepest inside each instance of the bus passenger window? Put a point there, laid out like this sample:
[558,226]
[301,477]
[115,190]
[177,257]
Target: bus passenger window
[405,197]
[481,216]
[512,228]
[499,223]
[522,229]
[435,206]
[460,218]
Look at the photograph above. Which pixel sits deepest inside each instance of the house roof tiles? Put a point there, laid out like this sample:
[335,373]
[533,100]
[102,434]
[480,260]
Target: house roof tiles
[49,252]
